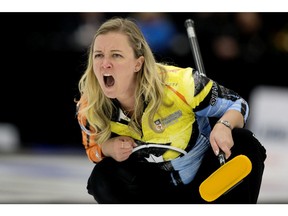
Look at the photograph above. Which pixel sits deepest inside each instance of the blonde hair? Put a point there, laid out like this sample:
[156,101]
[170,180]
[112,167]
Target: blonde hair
[99,109]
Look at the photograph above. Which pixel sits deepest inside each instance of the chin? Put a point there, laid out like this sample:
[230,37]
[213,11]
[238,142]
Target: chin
[110,95]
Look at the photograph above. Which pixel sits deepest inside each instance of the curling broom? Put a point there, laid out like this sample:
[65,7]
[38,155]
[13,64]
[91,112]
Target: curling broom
[230,174]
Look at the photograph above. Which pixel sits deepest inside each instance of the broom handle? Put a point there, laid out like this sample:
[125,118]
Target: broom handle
[189,24]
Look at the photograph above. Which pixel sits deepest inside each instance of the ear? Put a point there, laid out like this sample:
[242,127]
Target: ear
[139,63]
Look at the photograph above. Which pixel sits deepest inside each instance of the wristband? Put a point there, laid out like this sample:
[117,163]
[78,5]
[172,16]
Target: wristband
[226,123]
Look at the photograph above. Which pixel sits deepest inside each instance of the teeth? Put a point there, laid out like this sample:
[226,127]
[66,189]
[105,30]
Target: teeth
[107,75]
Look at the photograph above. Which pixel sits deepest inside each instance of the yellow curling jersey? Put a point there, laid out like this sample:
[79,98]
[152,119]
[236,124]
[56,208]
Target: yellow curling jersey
[191,98]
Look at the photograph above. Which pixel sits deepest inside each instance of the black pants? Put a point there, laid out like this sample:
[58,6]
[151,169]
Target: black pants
[133,182]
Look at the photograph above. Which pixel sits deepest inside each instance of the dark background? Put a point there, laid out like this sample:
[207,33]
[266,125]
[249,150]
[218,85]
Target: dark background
[42,61]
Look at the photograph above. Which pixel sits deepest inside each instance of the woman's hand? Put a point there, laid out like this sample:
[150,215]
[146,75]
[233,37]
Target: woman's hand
[119,148]
[221,138]
[221,135]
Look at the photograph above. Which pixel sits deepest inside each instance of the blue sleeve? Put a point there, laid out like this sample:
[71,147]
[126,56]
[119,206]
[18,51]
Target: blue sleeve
[217,101]
[223,99]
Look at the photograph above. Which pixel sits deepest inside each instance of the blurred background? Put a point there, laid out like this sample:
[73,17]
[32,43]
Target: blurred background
[43,55]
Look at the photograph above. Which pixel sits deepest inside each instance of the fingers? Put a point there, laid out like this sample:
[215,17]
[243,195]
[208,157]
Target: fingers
[221,146]
[123,147]
[126,143]
[122,152]
[217,149]
[227,152]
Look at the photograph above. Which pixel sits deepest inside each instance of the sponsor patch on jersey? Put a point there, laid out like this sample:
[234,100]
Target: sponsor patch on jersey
[170,119]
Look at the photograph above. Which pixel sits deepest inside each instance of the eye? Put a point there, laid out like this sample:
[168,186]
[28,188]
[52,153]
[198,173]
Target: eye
[116,55]
[98,55]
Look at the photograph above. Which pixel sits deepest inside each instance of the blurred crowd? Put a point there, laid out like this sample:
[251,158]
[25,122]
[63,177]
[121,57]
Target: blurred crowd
[45,54]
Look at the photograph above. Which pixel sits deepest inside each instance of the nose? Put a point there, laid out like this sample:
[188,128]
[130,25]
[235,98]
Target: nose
[106,63]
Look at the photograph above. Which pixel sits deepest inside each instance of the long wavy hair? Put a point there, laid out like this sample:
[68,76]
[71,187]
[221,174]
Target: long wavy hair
[150,83]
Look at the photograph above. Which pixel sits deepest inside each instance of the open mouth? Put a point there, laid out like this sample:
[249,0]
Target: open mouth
[109,80]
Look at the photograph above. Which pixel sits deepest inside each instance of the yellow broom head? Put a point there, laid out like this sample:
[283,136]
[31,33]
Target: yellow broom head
[225,178]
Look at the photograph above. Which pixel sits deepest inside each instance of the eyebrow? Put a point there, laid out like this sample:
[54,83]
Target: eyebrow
[111,51]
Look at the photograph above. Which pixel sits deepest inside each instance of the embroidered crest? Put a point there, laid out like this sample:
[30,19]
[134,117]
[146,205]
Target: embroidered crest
[158,125]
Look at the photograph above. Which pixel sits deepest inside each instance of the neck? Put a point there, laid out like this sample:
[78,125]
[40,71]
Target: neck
[127,105]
